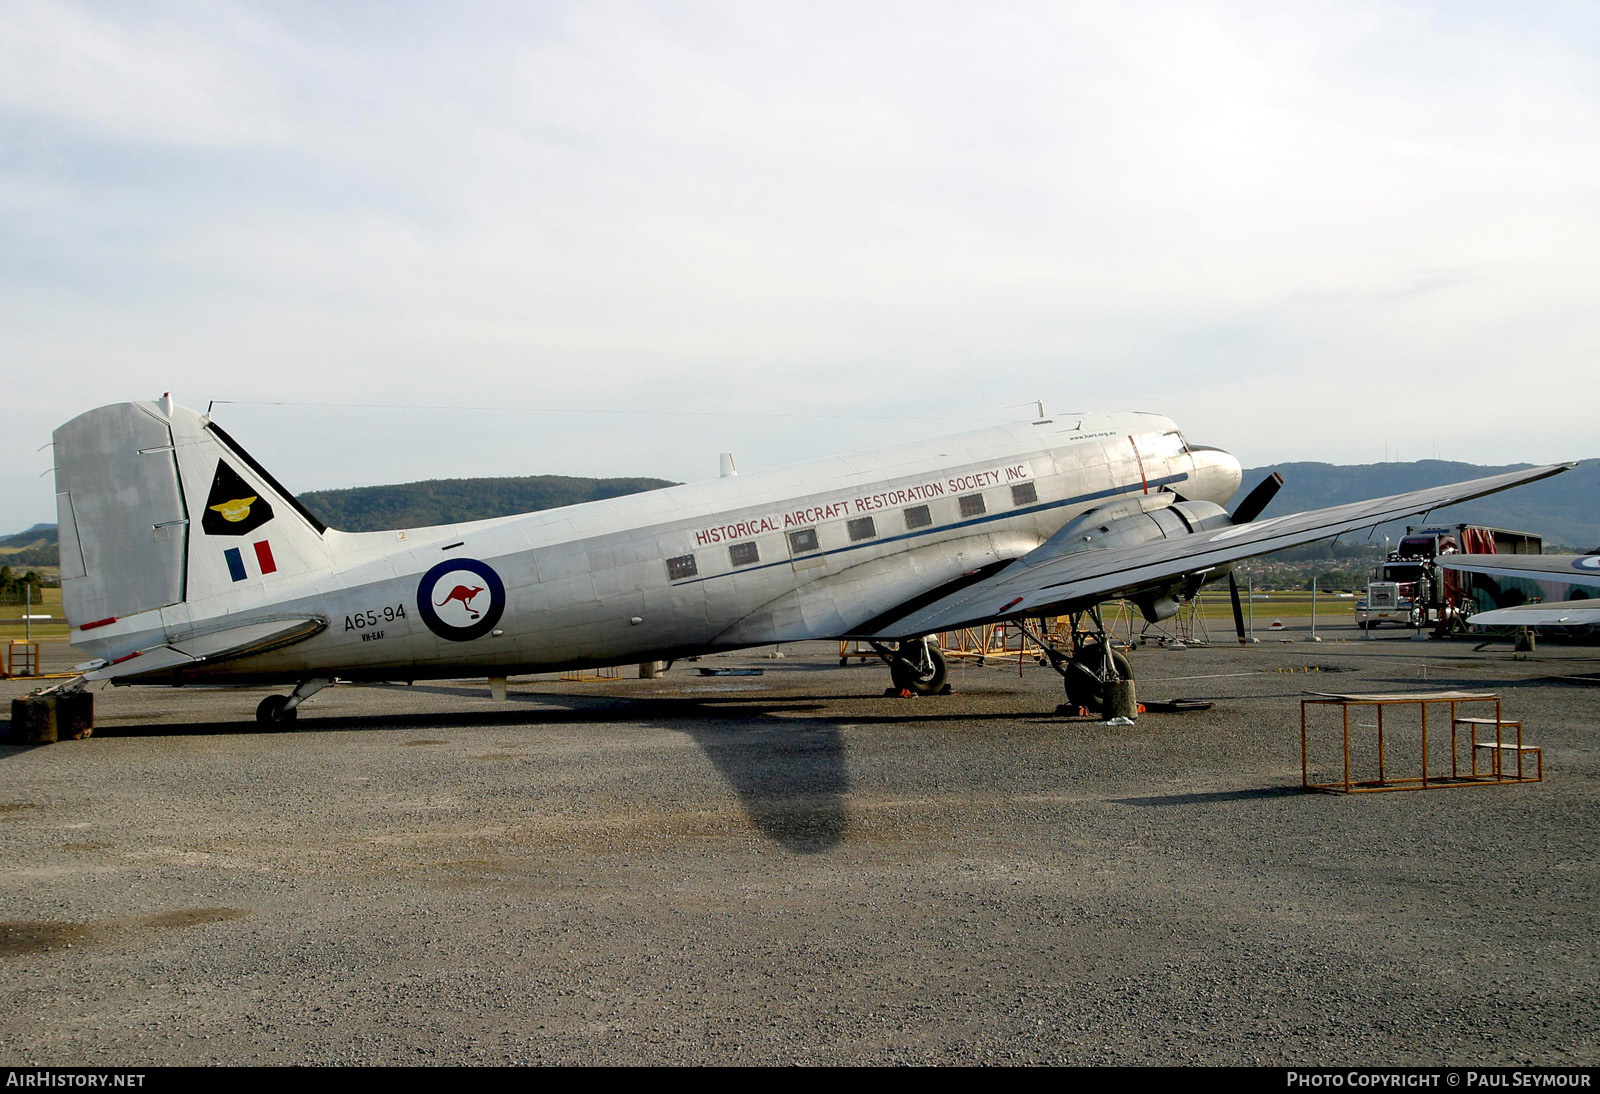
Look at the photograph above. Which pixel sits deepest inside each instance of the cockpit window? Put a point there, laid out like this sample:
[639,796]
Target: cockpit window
[1170,444]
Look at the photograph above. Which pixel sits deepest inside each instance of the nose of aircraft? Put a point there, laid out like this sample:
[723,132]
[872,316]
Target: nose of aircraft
[1217,474]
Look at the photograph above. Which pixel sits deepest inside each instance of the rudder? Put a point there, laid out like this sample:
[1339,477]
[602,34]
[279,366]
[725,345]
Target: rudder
[120,508]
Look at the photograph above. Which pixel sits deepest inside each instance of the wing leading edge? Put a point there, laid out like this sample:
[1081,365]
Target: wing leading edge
[1064,578]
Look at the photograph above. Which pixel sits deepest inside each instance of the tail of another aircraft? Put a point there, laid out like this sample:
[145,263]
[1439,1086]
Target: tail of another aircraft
[158,507]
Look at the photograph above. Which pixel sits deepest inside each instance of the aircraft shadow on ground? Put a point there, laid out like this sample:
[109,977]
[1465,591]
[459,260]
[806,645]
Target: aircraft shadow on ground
[1438,681]
[783,758]
[789,773]
[1256,794]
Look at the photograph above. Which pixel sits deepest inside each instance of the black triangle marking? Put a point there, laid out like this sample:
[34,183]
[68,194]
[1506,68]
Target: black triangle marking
[234,507]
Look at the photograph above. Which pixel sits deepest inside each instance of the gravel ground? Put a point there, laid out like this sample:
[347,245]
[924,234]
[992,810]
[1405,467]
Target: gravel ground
[796,869]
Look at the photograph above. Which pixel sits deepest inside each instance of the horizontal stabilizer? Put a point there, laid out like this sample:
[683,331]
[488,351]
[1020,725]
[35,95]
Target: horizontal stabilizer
[224,645]
[154,659]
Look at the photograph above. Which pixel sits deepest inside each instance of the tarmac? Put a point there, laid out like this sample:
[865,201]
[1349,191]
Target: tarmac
[794,868]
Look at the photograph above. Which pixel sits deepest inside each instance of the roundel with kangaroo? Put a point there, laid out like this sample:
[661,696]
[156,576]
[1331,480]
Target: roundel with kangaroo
[461,599]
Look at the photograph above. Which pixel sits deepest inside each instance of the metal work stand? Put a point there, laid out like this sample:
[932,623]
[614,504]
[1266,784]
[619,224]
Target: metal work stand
[1497,748]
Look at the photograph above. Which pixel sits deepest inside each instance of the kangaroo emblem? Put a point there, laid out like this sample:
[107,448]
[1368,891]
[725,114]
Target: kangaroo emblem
[464,595]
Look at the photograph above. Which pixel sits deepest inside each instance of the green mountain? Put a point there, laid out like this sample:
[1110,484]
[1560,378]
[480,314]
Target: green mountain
[35,547]
[38,535]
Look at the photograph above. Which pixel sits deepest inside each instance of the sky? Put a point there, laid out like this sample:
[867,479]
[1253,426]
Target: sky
[398,241]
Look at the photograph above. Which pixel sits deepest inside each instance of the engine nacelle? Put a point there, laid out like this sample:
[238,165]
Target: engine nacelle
[1139,520]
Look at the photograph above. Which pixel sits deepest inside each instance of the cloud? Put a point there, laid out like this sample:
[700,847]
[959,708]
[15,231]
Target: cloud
[148,76]
[1262,221]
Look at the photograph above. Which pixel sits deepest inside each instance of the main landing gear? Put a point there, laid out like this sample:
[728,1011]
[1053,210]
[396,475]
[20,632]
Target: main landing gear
[280,711]
[1087,675]
[1097,678]
[916,667]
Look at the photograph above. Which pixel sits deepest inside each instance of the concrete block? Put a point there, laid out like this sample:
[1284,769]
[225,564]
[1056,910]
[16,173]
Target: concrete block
[1121,700]
[46,719]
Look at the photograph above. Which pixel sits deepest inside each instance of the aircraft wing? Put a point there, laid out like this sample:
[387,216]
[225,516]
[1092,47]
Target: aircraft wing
[1035,585]
[1581,570]
[1577,569]
[1561,613]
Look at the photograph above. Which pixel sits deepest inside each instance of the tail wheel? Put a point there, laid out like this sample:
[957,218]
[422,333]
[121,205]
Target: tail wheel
[912,671]
[1083,676]
[274,710]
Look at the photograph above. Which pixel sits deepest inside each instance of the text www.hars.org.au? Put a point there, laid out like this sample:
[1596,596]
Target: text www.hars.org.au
[1467,1079]
[74,1078]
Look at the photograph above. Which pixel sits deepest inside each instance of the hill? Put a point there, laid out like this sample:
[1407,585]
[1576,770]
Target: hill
[35,547]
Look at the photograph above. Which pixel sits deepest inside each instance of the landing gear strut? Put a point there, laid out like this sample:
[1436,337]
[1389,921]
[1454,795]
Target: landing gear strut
[281,710]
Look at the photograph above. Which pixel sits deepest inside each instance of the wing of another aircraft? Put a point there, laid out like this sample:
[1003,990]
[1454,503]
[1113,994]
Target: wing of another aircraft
[1561,613]
[1065,575]
[1578,570]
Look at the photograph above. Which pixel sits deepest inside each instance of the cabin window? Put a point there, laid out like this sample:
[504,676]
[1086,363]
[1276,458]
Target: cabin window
[1024,493]
[918,517]
[972,505]
[803,541]
[861,528]
[744,554]
[681,567]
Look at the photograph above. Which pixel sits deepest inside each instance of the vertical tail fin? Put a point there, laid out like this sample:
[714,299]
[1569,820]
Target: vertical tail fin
[121,511]
[159,507]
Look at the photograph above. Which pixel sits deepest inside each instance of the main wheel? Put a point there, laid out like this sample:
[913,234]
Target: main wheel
[1082,678]
[910,673]
[274,710]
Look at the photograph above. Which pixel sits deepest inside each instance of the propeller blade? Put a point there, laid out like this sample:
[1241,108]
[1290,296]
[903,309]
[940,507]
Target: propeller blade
[1233,594]
[1258,499]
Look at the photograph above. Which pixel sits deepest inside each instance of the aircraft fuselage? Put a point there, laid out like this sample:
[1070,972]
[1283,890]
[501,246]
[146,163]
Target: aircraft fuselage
[804,552]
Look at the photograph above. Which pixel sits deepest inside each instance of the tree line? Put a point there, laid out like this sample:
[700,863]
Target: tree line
[14,587]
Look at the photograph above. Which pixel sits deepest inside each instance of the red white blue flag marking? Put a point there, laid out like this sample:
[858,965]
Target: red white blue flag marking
[264,560]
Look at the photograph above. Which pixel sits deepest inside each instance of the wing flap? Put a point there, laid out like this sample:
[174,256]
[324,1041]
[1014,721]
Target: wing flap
[1032,587]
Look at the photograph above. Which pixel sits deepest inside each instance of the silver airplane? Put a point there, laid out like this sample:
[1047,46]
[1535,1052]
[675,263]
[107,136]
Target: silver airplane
[184,562]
